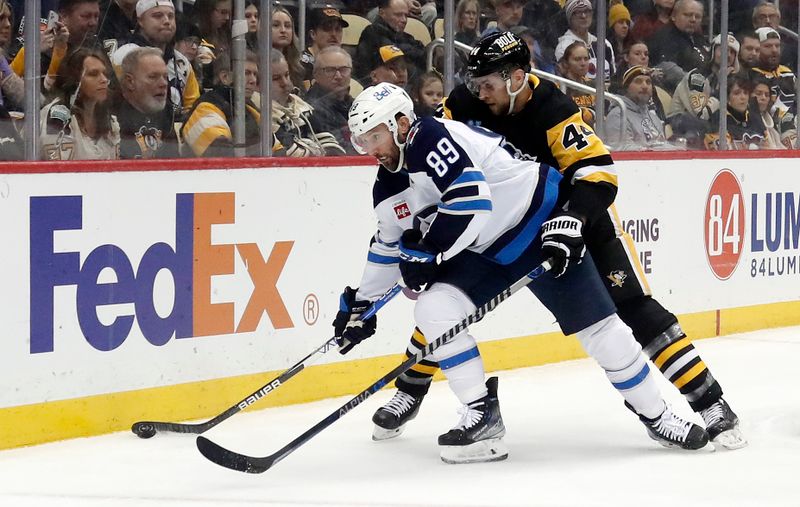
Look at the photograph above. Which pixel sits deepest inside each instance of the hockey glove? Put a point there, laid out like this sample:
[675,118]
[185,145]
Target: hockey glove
[418,261]
[347,328]
[562,241]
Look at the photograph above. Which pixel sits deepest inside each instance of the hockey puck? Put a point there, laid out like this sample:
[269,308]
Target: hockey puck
[144,430]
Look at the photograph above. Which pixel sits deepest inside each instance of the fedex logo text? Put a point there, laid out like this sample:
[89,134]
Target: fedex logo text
[192,263]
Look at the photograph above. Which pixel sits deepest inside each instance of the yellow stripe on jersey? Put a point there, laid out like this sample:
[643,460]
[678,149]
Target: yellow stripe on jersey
[633,256]
[670,351]
[573,140]
[690,375]
[206,124]
[593,174]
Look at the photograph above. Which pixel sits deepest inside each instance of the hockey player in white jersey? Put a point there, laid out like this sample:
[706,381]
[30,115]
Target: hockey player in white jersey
[459,218]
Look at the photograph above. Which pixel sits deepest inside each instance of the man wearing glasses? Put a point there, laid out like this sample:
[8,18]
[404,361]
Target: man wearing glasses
[330,94]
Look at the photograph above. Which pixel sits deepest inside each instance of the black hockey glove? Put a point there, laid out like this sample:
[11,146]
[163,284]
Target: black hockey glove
[562,241]
[418,261]
[348,330]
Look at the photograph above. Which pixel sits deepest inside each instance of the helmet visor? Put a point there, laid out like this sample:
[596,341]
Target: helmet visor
[372,140]
[489,83]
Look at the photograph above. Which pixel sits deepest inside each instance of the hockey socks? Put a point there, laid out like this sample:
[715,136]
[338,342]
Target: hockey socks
[419,377]
[676,357]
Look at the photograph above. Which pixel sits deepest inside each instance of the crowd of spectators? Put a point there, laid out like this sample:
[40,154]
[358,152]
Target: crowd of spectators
[137,79]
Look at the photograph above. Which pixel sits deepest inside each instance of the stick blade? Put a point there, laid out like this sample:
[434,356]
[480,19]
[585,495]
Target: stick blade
[233,460]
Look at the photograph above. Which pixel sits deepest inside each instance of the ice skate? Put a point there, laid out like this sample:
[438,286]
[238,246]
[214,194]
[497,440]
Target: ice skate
[722,425]
[671,430]
[390,420]
[478,435]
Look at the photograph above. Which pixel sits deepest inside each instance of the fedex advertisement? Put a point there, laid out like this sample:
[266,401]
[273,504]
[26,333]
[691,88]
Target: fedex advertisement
[128,280]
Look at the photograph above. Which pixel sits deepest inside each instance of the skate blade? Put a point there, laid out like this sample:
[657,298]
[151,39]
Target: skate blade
[379,434]
[708,447]
[484,451]
[731,440]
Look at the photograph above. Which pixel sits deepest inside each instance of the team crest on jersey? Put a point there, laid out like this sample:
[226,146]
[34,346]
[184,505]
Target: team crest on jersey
[617,278]
[401,210]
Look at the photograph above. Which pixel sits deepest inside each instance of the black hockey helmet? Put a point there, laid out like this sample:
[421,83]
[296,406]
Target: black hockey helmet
[498,52]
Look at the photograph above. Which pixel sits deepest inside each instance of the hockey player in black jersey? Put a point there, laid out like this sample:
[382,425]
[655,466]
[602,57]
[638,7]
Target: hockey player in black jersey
[545,125]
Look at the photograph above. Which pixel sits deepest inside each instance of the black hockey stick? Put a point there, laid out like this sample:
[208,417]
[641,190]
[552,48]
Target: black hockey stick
[257,465]
[146,429]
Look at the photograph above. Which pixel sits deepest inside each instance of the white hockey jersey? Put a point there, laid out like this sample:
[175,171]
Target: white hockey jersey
[464,188]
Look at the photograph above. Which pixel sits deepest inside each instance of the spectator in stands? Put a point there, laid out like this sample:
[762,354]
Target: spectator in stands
[646,25]
[78,124]
[467,21]
[508,13]
[77,26]
[12,87]
[208,130]
[213,17]
[644,129]
[780,77]
[749,49]
[156,28]
[6,22]
[11,146]
[761,101]
[117,23]
[681,42]
[697,95]
[387,65]
[81,18]
[427,92]
[251,15]
[619,25]
[766,14]
[579,15]
[388,30]
[145,115]
[746,131]
[285,40]
[330,94]
[293,120]
[574,65]
[325,28]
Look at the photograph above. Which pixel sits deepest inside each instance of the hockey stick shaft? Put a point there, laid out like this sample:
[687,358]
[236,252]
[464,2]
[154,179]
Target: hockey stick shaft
[146,429]
[255,465]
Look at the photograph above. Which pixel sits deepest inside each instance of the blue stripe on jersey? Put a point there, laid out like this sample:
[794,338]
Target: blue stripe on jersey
[390,244]
[474,205]
[468,176]
[381,259]
[459,358]
[633,382]
[510,245]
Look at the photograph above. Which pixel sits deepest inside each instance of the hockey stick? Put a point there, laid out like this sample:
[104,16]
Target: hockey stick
[147,429]
[257,465]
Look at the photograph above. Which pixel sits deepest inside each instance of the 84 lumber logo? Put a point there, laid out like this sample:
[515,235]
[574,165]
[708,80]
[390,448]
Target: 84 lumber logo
[774,229]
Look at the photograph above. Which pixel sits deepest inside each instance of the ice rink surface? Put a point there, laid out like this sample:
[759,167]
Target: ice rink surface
[571,441]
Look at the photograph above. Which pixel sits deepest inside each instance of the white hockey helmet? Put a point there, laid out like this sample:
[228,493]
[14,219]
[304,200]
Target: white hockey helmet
[379,104]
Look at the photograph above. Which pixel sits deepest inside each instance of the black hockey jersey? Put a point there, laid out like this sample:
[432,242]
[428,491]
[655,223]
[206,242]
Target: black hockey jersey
[550,129]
